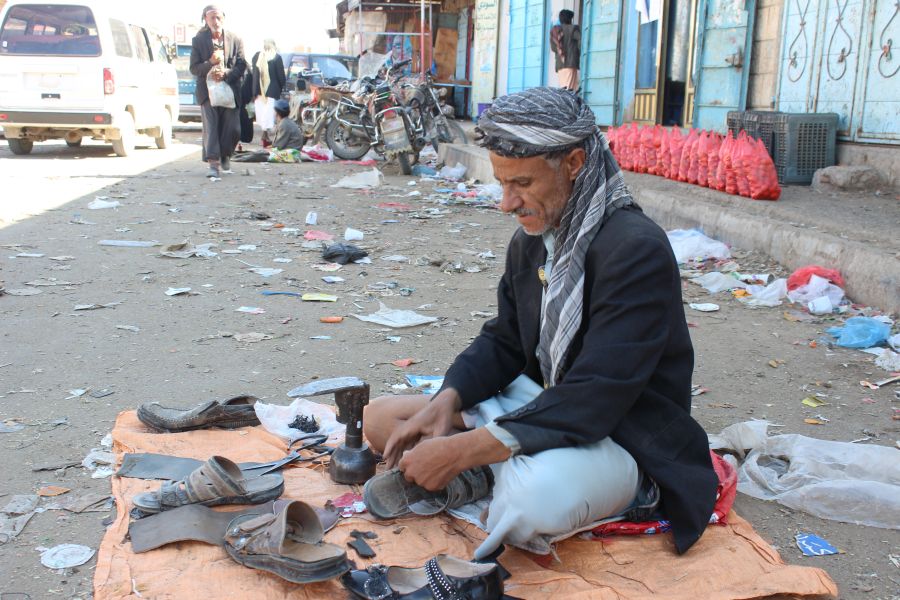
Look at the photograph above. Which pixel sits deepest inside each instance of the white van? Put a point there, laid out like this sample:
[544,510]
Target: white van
[72,69]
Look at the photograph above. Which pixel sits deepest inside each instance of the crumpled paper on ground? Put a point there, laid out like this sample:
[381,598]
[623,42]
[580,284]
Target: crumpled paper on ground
[395,318]
[853,483]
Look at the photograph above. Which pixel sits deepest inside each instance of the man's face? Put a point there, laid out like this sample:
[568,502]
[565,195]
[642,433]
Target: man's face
[536,190]
[215,20]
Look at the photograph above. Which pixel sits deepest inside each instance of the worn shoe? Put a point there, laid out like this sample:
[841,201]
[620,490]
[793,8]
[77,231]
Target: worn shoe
[213,173]
[288,543]
[442,578]
[226,164]
[390,495]
[227,414]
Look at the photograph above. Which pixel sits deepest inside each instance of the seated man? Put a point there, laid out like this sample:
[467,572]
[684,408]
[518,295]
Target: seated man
[287,132]
[579,392]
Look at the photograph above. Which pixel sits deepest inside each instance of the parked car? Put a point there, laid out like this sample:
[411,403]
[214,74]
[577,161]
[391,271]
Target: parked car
[72,69]
[319,69]
[188,109]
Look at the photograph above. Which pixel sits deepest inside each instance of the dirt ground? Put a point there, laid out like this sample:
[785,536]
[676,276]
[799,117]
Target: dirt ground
[183,349]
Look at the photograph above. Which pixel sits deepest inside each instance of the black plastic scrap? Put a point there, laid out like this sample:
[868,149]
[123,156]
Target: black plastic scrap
[306,424]
[343,253]
[359,543]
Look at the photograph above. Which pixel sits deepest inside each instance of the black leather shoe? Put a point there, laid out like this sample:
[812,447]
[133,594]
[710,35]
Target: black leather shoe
[442,578]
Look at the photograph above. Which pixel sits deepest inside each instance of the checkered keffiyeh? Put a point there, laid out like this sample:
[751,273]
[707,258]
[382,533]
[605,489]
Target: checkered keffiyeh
[540,121]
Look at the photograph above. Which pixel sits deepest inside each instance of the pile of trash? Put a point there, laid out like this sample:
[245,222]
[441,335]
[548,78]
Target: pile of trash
[739,165]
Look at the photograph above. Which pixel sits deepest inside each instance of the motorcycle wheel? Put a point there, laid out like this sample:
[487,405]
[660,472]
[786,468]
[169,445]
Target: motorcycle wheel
[405,161]
[345,145]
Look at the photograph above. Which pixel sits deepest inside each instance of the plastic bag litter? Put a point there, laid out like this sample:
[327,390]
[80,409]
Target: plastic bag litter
[66,556]
[395,318]
[894,342]
[317,153]
[492,191]
[816,288]
[98,203]
[888,360]
[343,253]
[860,332]
[766,295]
[351,234]
[186,250]
[275,418]
[453,173]
[853,483]
[715,282]
[358,181]
[691,243]
[802,276]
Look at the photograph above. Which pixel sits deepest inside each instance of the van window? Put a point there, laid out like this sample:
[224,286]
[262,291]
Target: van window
[141,50]
[120,38]
[49,30]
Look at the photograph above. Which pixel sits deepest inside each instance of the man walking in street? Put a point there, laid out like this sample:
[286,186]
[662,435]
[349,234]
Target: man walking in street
[565,42]
[218,54]
[578,393]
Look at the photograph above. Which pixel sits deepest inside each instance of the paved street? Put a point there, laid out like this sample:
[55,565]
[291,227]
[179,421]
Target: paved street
[65,374]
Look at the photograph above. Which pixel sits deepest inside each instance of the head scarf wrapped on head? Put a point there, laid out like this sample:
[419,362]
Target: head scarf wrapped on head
[541,121]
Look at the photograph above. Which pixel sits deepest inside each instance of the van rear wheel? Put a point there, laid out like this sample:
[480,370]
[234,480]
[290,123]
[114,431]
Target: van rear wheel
[74,143]
[20,147]
[165,131]
[125,144]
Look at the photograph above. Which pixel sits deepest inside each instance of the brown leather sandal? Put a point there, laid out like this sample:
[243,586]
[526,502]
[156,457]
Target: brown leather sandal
[287,543]
[217,481]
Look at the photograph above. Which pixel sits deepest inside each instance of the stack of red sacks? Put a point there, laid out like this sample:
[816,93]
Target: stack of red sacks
[739,165]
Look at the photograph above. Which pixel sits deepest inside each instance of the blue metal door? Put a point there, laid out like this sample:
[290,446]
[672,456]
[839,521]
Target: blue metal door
[527,31]
[877,113]
[723,60]
[796,92]
[601,21]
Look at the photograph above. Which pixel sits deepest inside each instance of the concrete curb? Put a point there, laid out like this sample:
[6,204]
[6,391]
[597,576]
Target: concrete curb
[872,274]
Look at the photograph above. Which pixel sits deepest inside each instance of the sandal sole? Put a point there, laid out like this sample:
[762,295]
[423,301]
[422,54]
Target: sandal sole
[260,498]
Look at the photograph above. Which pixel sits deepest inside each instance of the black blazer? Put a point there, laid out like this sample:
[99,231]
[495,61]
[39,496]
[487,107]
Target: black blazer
[628,374]
[276,77]
[235,63]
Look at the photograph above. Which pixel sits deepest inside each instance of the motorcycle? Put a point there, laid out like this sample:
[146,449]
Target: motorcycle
[428,119]
[314,111]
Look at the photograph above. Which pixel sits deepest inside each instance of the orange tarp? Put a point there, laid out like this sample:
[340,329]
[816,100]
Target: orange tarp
[729,561]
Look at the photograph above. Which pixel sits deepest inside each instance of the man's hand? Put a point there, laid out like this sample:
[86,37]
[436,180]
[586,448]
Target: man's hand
[217,73]
[217,57]
[435,420]
[433,463]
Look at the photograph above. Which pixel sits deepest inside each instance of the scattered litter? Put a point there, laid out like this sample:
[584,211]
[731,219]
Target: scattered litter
[320,337]
[327,267]
[252,337]
[888,360]
[66,556]
[96,306]
[78,220]
[129,243]
[366,179]
[52,490]
[331,319]
[186,250]
[768,295]
[22,292]
[878,384]
[177,291]
[704,306]
[421,170]
[282,260]
[691,244]
[697,389]
[102,393]
[453,173]
[100,462]
[820,306]
[21,504]
[405,362]
[266,271]
[62,258]
[860,332]
[250,310]
[343,253]
[350,504]
[395,318]
[318,297]
[482,314]
[815,421]
[315,235]
[311,218]
[272,293]
[395,258]
[28,255]
[48,282]
[813,545]
[351,234]
[813,402]
[10,427]
[332,279]
[98,203]
[715,282]
[430,384]
[76,393]
[817,287]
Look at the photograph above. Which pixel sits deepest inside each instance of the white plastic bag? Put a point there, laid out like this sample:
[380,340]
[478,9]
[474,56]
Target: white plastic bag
[690,243]
[275,418]
[220,93]
[718,282]
[768,295]
[395,318]
[357,181]
[816,288]
[453,173]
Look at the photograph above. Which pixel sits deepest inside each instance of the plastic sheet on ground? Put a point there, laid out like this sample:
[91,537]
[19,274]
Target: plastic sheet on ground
[453,173]
[841,481]
[358,181]
[715,282]
[766,295]
[861,332]
[693,244]
[395,318]
[729,561]
[817,287]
